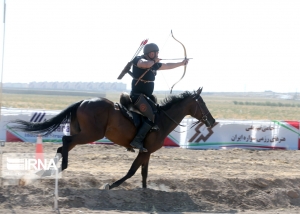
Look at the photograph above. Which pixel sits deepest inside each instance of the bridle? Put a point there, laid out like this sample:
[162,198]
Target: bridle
[203,119]
[204,114]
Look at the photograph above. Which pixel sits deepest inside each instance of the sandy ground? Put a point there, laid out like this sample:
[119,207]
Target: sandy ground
[179,181]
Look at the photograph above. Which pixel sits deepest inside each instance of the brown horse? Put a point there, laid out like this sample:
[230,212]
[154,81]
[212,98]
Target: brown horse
[93,119]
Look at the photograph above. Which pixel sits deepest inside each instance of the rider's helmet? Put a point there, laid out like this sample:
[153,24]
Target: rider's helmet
[151,47]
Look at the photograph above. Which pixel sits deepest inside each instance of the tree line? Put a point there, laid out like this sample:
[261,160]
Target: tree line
[278,104]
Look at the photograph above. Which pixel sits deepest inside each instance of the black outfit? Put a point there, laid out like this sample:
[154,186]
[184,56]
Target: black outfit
[146,88]
[142,87]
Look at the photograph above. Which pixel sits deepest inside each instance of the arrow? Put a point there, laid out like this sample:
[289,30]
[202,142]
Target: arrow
[143,43]
[176,59]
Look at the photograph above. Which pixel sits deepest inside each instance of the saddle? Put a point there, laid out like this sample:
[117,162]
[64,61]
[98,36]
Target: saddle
[130,111]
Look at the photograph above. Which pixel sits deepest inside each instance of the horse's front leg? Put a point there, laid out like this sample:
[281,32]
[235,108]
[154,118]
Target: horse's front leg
[139,160]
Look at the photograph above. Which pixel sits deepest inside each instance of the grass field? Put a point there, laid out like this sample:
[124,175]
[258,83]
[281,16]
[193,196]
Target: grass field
[221,106]
[224,108]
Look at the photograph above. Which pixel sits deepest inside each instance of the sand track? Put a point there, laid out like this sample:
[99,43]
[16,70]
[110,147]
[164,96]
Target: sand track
[179,181]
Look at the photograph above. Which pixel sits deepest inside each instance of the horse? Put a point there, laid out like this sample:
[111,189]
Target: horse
[95,118]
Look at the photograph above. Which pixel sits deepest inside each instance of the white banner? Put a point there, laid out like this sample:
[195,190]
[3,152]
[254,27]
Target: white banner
[242,134]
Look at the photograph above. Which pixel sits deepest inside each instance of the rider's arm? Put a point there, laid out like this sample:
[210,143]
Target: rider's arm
[166,66]
[143,63]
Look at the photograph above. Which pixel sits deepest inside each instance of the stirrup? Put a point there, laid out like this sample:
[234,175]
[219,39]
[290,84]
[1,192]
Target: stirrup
[130,150]
[154,128]
[139,146]
[143,150]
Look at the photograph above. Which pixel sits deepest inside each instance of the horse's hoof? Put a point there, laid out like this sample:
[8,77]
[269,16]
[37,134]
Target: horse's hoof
[105,186]
[46,173]
[22,182]
[64,166]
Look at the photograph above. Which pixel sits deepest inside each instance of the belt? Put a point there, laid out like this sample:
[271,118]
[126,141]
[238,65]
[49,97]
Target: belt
[144,81]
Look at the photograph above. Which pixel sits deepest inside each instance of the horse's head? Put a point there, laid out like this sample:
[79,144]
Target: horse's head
[200,111]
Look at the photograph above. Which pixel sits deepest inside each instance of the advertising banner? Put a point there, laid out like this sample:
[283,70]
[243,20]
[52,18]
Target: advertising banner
[227,134]
[31,116]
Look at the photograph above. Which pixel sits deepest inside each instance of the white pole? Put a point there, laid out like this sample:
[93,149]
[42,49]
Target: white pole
[56,189]
[4,13]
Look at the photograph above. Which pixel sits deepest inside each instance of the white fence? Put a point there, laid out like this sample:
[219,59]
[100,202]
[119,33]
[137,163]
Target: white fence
[85,86]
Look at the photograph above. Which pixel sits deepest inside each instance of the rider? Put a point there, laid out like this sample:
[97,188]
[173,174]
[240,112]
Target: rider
[144,71]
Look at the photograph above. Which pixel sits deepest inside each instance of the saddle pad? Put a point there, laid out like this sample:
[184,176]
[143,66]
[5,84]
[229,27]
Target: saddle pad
[135,118]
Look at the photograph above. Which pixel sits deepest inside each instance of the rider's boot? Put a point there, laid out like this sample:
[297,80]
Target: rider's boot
[137,142]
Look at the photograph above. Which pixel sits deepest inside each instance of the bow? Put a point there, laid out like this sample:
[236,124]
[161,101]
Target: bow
[185,57]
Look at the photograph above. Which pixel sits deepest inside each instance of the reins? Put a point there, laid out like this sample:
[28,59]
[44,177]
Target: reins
[204,115]
[204,118]
[165,112]
[172,119]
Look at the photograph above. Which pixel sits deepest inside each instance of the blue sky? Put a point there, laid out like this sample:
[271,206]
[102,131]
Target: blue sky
[236,45]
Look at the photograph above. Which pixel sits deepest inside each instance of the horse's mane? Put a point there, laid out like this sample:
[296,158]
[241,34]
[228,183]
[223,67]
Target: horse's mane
[173,99]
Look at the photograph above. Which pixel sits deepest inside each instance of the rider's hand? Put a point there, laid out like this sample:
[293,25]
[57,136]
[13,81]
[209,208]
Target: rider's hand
[185,62]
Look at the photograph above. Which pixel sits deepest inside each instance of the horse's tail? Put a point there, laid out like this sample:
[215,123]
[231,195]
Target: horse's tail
[48,126]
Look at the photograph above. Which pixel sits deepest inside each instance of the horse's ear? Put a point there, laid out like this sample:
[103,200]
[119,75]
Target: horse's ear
[199,90]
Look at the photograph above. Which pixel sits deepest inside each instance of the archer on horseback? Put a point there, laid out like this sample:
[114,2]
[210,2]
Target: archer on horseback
[95,118]
[144,70]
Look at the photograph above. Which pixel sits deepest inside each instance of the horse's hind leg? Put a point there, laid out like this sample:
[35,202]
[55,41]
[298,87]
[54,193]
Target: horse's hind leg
[69,142]
[145,173]
[63,152]
[140,159]
[74,129]
[66,140]
[57,157]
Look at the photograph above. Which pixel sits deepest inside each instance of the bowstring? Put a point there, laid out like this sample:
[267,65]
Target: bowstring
[160,51]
